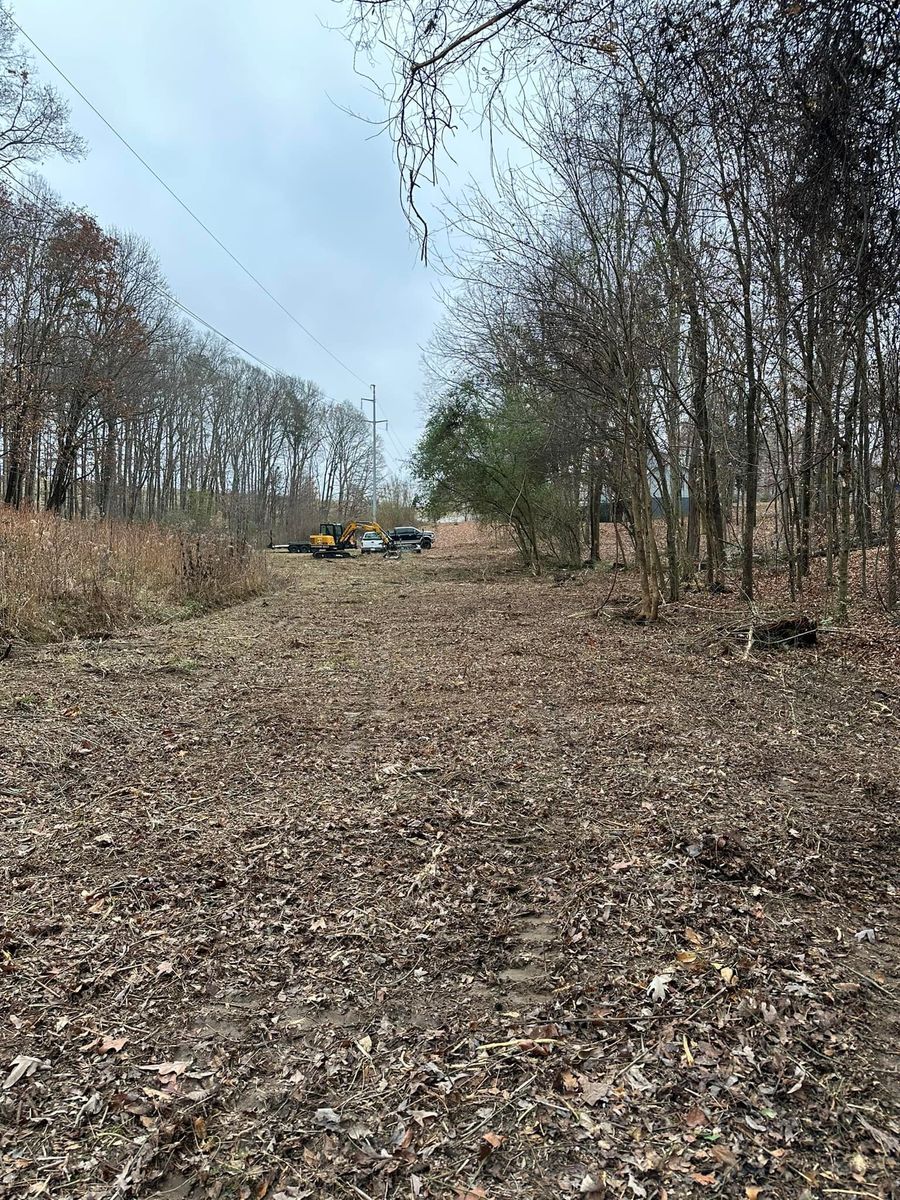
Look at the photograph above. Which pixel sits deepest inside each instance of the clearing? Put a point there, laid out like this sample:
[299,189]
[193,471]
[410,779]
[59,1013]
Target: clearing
[418,879]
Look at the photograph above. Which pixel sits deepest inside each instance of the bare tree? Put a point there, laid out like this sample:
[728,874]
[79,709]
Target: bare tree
[34,120]
[695,287]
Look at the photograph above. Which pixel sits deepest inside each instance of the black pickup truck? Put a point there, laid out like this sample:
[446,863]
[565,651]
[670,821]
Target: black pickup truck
[408,535]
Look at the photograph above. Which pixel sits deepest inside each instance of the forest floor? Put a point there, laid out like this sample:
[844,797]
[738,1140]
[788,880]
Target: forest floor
[425,880]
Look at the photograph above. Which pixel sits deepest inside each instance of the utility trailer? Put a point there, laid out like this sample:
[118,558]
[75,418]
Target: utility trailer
[292,547]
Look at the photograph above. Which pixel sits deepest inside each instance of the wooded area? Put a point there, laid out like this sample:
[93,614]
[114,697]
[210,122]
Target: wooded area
[115,404]
[680,306]
[111,405]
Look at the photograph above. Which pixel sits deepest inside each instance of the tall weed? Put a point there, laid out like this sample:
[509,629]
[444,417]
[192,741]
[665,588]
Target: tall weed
[61,578]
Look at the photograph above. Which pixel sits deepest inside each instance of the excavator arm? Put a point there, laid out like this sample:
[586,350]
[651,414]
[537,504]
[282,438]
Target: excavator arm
[348,537]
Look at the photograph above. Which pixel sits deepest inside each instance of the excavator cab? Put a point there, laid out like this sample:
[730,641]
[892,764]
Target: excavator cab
[328,542]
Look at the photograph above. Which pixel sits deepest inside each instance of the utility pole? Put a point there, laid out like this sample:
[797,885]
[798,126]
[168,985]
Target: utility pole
[375,424]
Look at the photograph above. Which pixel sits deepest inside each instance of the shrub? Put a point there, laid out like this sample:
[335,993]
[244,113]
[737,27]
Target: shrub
[216,570]
[62,578]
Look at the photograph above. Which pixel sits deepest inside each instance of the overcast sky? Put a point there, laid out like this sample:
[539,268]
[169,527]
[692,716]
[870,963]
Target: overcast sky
[235,104]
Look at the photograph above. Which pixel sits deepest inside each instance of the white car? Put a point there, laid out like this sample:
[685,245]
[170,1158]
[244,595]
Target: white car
[372,543]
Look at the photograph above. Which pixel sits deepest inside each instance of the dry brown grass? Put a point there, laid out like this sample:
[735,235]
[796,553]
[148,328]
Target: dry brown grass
[62,578]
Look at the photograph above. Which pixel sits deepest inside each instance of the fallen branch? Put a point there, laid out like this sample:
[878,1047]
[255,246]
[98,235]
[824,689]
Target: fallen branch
[787,632]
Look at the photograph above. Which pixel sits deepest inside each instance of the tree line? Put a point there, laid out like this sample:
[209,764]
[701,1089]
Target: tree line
[680,310]
[112,403]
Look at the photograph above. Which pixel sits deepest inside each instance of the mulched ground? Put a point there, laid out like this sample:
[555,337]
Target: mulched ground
[423,879]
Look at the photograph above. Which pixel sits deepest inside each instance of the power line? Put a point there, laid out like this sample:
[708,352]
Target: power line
[398,448]
[159,179]
[402,453]
[45,201]
[276,371]
[48,204]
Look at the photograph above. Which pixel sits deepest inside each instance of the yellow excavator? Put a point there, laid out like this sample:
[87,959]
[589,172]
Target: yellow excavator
[337,541]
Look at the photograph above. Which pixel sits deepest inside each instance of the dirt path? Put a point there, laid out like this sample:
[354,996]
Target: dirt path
[417,880]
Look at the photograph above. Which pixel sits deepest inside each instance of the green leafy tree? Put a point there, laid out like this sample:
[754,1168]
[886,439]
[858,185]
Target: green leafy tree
[489,454]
